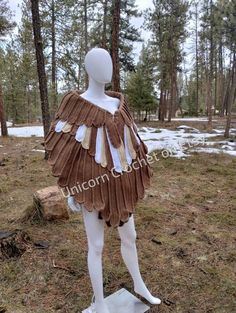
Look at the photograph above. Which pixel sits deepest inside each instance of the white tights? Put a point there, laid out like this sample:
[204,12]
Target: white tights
[95,234]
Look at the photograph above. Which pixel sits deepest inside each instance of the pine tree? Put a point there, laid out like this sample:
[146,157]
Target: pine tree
[71,21]
[167,23]
[140,85]
[196,26]
[28,66]
[230,35]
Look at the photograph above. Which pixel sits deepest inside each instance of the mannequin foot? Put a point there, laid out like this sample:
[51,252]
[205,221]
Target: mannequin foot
[145,293]
[101,307]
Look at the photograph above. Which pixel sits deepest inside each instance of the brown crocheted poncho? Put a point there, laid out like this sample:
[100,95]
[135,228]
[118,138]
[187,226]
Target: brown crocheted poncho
[98,157]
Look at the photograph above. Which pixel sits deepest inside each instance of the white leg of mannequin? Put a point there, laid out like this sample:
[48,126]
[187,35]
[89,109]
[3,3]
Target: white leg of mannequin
[95,234]
[127,234]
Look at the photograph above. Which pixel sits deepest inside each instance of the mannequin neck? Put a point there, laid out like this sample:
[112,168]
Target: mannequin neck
[95,89]
[96,94]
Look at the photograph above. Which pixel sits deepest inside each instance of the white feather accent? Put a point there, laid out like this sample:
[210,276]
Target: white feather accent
[98,153]
[59,126]
[127,154]
[80,133]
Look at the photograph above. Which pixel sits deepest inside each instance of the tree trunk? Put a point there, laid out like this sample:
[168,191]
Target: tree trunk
[54,86]
[40,66]
[210,83]
[115,46]
[174,95]
[2,115]
[227,90]
[27,96]
[231,97]
[216,85]
[146,115]
[79,69]
[104,26]
[86,37]
[161,106]
[13,98]
[208,100]
[166,103]
[197,59]
[221,81]
[171,100]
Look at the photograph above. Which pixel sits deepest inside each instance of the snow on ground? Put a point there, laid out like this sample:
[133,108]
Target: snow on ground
[181,142]
[188,119]
[172,142]
[26,131]
[189,129]
[38,150]
[177,143]
[191,119]
[224,146]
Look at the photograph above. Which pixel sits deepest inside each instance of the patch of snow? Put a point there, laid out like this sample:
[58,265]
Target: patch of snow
[230,143]
[38,150]
[147,129]
[227,147]
[172,142]
[189,119]
[178,143]
[197,119]
[221,131]
[26,131]
[188,128]
[233,153]
[224,145]
[218,131]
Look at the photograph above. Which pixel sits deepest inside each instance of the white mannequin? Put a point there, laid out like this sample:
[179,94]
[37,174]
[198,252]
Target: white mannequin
[98,64]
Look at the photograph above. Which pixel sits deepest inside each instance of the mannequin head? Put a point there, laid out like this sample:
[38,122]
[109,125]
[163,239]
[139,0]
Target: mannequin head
[98,65]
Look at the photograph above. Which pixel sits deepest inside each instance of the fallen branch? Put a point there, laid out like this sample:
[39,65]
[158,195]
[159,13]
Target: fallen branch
[73,272]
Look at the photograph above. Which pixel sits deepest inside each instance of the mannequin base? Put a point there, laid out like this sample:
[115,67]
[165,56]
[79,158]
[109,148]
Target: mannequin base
[122,301]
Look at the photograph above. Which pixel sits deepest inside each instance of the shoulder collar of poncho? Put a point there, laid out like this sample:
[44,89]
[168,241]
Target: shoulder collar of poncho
[76,110]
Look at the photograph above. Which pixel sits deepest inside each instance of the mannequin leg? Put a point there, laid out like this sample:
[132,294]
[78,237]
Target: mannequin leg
[95,235]
[127,234]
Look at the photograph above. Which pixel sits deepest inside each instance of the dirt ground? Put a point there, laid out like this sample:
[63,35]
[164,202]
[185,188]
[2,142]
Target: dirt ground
[186,228]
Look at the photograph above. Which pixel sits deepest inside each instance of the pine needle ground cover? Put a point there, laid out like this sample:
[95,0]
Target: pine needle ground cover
[186,238]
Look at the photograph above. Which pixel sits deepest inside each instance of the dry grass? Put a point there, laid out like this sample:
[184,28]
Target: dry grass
[186,239]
